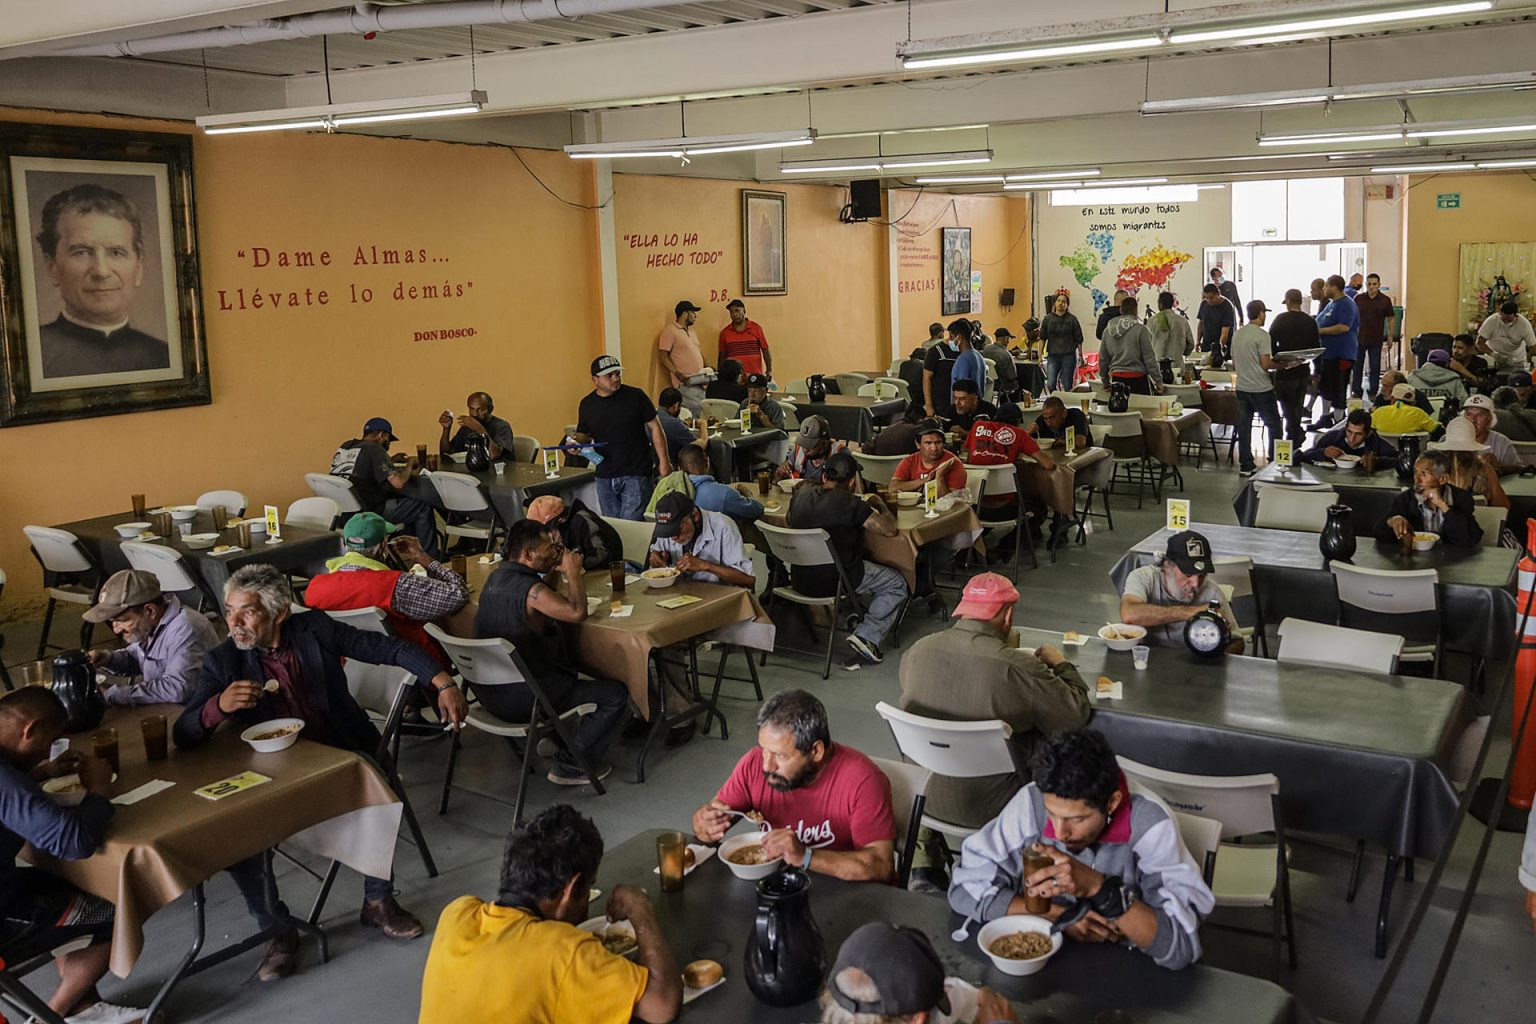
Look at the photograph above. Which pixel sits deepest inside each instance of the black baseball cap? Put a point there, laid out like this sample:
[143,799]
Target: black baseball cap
[1002,332]
[1031,324]
[901,963]
[931,427]
[380,425]
[671,510]
[1191,552]
[757,380]
[1519,379]
[684,307]
[604,365]
[735,304]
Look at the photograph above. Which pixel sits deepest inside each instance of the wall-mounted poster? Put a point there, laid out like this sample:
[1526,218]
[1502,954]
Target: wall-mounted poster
[956,272]
[101,308]
[763,236]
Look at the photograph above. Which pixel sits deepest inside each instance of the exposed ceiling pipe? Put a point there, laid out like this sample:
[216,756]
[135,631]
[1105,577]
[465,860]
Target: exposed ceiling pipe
[366,18]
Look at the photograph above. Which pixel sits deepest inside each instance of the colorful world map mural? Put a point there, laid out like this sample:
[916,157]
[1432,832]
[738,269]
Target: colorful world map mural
[1151,268]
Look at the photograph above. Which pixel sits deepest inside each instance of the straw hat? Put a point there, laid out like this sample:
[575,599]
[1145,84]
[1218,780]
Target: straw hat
[1460,436]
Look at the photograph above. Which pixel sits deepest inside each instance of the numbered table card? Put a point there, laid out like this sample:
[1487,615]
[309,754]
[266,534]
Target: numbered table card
[274,524]
[1178,514]
[1283,454]
[551,462]
[232,785]
[1071,440]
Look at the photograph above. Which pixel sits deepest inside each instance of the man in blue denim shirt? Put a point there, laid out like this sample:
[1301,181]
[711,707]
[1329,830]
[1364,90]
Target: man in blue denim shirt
[166,642]
[710,494]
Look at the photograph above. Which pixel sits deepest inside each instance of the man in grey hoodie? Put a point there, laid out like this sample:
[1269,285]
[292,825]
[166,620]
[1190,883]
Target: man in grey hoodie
[1126,355]
[1436,377]
[1172,337]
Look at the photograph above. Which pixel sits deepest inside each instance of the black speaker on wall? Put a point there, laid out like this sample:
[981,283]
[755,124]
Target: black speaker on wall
[864,198]
[1006,298]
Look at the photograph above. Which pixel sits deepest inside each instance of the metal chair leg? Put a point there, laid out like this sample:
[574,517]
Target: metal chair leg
[42,641]
[1354,873]
[453,757]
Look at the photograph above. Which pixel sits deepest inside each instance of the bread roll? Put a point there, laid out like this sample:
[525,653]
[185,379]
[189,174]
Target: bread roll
[688,857]
[702,974]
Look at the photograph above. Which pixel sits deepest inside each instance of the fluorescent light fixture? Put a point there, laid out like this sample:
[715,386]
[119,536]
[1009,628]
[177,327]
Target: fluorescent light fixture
[1091,172]
[1376,90]
[691,145]
[1040,186]
[1366,135]
[1401,132]
[344,115]
[1419,168]
[893,162]
[1015,54]
[1493,165]
[997,179]
[1327,25]
[1437,133]
[967,179]
[1117,182]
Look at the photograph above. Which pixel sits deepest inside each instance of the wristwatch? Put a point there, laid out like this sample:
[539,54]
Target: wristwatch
[805,863]
[1114,898]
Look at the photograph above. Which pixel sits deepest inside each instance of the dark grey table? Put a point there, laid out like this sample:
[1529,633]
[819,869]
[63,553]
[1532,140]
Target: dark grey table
[1358,755]
[726,446]
[303,550]
[1477,600]
[713,914]
[519,483]
[853,418]
[1370,494]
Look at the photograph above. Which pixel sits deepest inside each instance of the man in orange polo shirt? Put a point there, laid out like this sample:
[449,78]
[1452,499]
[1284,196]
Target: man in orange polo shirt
[743,340]
[929,462]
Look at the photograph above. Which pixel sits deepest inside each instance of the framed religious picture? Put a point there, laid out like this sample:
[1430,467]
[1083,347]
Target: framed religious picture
[956,270]
[100,302]
[763,234]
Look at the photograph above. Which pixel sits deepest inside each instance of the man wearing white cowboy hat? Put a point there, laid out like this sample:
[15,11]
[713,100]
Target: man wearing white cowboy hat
[1433,504]
[1472,467]
[1480,410]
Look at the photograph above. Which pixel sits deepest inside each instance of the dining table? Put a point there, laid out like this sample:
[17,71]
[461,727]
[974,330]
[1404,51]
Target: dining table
[1359,755]
[180,820]
[713,917]
[852,417]
[731,450]
[1057,487]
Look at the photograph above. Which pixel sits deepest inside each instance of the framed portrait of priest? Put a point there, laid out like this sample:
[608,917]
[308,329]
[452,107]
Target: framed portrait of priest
[101,306]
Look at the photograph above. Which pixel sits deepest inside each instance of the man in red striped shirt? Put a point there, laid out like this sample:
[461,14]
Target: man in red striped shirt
[743,341]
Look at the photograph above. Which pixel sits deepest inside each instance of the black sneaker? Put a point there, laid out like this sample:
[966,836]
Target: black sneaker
[865,650]
[569,774]
[929,880]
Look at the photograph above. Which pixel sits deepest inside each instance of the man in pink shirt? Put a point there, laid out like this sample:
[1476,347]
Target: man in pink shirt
[678,343]
[825,807]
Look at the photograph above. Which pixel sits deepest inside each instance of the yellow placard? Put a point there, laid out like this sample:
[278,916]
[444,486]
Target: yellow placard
[1178,514]
[551,462]
[232,785]
[1283,454]
[274,524]
[746,420]
[1071,439]
[930,494]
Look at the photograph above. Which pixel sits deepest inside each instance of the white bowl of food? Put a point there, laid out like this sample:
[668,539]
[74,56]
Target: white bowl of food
[618,936]
[459,457]
[656,579]
[199,541]
[67,790]
[745,857]
[1423,540]
[1121,636]
[183,513]
[131,531]
[1018,944]
[258,526]
[271,736]
[1346,461]
[908,499]
[788,484]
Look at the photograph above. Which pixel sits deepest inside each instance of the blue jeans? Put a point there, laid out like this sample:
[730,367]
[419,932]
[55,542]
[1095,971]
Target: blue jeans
[1374,357]
[1263,403]
[1059,371]
[888,590]
[415,516]
[256,882]
[622,497]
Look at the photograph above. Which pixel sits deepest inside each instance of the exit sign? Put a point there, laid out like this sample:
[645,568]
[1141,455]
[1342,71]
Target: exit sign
[1448,201]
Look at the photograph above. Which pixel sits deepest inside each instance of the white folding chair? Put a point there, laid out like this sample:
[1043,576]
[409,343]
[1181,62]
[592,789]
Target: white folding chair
[798,387]
[1218,376]
[1187,395]
[877,469]
[808,548]
[1202,838]
[169,568]
[995,482]
[1234,576]
[1287,508]
[909,786]
[1303,642]
[1491,518]
[903,389]
[1091,478]
[76,578]
[234,501]
[1120,432]
[1080,399]
[1406,603]
[956,750]
[525,448]
[316,511]
[463,494]
[338,489]
[721,409]
[1246,875]
[635,535]
[849,383]
[495,662]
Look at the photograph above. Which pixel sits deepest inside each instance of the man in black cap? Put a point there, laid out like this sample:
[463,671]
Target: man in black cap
[1007,389]
[835,508]
[1029,345]
[678,345]
[1173,590]
[888,972]
[620,419]
[765,412]
[814,444]
[744,341]
[379,484]
[703,546]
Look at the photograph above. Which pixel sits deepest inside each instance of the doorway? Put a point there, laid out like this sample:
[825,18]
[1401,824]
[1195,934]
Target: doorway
[1266,270]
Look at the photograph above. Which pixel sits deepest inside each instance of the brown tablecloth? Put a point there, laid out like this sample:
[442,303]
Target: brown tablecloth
[1057,487]
[158,848]
[1163,435]
[621,648]
[1220,405]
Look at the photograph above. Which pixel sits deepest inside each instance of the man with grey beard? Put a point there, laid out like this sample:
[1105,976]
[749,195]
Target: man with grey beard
[276,665]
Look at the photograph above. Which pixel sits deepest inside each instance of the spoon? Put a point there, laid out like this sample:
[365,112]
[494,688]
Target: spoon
[964,931]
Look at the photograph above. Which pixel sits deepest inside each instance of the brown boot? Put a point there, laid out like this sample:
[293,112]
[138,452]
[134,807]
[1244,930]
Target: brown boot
[388,916]
[281,957]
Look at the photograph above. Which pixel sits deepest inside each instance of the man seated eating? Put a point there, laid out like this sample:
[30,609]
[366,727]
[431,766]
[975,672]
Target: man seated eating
[1055,418]
[824,806]
[709,494]
[891,974]
[1117,851]
[704,546]
[522,957]
[814,445]
[1168,593]
[1432,505]
[968,406]
[1355,436]
[166,642]
[380,485]
[278,665]
[480,420]
[578,529]
[762,409]
[930,462]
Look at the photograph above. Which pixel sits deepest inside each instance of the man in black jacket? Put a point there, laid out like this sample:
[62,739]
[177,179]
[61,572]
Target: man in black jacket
[1433,505]
[579,529]
[279,666]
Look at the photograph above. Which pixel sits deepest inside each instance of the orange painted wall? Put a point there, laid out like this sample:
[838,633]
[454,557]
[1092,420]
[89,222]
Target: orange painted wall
[290,384]
[833,317]
[1494,208]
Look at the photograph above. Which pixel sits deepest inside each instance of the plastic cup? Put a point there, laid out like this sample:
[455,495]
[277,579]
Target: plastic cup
[244,534]
[461,566]
[500,467]
[104,746]
[421,455]
[616,576]
[669,859]
[162,522]
[1139,655]
[764,481]
[139,505]
[220,518]
[432,463]
[1033,862]
[153,728]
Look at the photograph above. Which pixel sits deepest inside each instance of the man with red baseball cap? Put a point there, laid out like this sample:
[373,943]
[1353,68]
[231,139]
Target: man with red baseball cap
[973,672]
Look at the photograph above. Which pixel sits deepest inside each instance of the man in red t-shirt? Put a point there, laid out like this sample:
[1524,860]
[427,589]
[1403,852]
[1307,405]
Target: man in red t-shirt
[998,441]
[825,807]
[929,462]
[743,340]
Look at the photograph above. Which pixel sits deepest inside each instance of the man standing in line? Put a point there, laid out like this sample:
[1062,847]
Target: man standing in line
[1172,337]
[1375,325]
[1214,323]
[1293,331]
[678,344]
[968,364]
[1339,325]
[1255,391]
[1110,311]
[1228,291]
[743,340]
[1126,356]
[620,419]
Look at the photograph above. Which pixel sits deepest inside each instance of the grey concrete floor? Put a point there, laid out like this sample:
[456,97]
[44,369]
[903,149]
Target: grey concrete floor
[374,980]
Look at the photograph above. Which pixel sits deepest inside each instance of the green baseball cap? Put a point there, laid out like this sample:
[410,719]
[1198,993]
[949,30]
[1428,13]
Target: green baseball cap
[366,530]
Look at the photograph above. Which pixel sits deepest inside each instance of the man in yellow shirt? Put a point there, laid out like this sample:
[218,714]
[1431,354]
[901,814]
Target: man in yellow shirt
[522,958]
[1402,416]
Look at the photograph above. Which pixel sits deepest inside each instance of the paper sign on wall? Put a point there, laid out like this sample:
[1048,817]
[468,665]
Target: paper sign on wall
[274,525]
[1283,454]
[1178,514]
